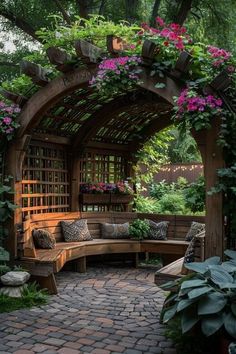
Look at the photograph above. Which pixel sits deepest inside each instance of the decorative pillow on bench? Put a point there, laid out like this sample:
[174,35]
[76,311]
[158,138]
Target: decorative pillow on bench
[192,253]
[195,228]
[75,231]
[43,239]
[115,231]
[158,230]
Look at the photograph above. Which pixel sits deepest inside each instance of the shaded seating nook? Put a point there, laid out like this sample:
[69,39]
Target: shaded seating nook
[71,135]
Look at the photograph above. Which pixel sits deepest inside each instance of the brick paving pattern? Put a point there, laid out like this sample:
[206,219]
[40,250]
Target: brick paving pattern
[107,310]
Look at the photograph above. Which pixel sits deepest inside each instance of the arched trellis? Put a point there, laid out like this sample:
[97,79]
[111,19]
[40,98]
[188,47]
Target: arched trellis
[38,110]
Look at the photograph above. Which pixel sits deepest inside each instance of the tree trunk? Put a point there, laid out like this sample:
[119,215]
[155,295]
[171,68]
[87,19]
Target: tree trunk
[102,7]
[131,9]
[20,23]
[83,8]
[63,11]
[155,10]
[183,11]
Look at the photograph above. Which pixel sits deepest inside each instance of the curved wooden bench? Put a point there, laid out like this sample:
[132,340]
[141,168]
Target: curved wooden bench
[44,263]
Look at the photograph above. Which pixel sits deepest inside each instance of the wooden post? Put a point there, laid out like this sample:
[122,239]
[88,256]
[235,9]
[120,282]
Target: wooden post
[214,241]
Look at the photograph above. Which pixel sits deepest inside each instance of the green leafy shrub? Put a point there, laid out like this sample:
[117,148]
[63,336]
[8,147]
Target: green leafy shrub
[206,297]
[4,269]
[172,203]
[139,229]
[146,205]
[195,195]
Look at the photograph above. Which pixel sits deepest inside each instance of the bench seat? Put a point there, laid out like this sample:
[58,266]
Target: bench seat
[46,262]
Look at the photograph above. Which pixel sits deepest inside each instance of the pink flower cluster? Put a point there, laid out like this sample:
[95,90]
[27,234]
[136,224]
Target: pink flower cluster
[171,33]
[113,69]
[219,56]
[7,122]
[186,102]
[101,187]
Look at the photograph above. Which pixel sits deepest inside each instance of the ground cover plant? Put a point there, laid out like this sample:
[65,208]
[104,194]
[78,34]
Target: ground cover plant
[31,296]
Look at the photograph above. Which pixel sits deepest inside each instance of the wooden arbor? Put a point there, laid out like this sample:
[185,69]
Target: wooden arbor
[69,134]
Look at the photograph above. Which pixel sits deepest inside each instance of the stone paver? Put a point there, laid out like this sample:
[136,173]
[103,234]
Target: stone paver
[107,310]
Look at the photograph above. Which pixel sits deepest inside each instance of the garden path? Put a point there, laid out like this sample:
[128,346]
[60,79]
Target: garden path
[107,310]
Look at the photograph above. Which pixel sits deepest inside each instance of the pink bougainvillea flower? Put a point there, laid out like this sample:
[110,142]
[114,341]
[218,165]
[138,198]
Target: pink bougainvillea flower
[7,120]
[160,21]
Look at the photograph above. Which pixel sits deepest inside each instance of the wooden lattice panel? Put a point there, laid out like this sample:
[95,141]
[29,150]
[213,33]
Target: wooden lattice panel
[45,179]
[105,168]
[96,167]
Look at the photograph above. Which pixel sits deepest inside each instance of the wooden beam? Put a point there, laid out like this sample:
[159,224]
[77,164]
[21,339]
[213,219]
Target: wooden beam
[102,116]
[60,58]
[17,99]
[147,132]
[148,52]
[115,45]
[36,72]
[88,52]
[46,98]
[214,242]
[55,139]
[182,65]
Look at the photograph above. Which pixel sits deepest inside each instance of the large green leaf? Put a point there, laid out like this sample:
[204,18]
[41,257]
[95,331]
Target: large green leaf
[199,292]
[230,324]
[219,275]
[229,266]
[169,313]
[231,254]
[184,304]
[192,283]
[189,318]
[211,324]
[199,267]
[211,303]
[213,260]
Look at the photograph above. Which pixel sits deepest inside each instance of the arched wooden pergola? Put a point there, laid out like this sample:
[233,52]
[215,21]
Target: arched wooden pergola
[68,130]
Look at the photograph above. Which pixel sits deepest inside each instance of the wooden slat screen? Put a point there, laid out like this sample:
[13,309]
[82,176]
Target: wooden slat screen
[97,167]
[45,179]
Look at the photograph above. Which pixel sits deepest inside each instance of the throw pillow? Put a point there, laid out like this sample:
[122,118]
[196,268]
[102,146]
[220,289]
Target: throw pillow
[193,251]
[195,228]
[75,231]
[115,231]
[158,230]
[43,239]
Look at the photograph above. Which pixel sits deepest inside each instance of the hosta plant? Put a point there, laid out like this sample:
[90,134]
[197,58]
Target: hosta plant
[206,297]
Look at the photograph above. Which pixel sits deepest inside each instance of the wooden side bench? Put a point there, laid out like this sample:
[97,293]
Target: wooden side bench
[44,263]
[176,269]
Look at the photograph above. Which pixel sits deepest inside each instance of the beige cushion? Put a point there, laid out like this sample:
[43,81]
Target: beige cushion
[115,231]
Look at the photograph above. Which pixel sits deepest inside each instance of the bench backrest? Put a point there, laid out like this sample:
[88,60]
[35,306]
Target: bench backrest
[178,226]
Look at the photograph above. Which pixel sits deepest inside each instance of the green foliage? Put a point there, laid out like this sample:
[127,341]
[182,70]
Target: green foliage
[146,205]
[94,29]
[139,229]
[207,297]
[6,207]
[31,296]
[172,203]
[194,343]
[4,269]
[195,195]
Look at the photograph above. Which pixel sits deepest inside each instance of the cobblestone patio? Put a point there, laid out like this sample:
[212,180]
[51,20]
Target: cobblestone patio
[107,310]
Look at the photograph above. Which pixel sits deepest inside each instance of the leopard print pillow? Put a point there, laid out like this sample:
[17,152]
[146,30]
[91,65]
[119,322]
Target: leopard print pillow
[75,231]
[195,228]
[43,239]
